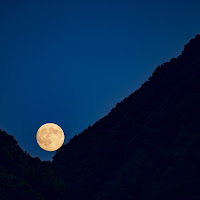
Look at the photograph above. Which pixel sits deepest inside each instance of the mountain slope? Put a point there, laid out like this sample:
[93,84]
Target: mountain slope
[24,177]
[147,146]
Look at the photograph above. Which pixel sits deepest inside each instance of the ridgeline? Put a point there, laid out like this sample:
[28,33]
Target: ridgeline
[147,147]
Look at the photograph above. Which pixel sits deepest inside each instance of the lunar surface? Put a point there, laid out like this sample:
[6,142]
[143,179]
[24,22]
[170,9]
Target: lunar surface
[50,137]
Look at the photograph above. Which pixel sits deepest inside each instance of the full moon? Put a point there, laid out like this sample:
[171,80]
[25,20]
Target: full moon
[50,137]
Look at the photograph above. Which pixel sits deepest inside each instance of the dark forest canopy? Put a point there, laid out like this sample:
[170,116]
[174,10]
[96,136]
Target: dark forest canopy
[24,177]
[147,147]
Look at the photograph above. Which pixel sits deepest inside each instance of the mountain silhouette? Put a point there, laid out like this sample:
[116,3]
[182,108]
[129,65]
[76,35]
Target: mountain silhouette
[24,177]
[147,147]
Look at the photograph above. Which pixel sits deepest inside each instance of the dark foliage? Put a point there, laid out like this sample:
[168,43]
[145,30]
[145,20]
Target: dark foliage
[147,147]
[24,177]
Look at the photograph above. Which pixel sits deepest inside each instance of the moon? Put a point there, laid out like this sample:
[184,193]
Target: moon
[50,137]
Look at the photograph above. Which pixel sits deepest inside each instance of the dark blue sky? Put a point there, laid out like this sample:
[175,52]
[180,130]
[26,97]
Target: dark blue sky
[70,62]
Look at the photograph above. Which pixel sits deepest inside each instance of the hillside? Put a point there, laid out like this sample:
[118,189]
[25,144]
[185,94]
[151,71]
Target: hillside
[24,177]
[147,147]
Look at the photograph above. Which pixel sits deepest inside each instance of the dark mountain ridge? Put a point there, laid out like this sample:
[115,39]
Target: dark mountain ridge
[147,147]
[134,145]
[24,177]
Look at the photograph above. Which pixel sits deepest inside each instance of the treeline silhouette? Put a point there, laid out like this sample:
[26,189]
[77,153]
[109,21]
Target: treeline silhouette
[24,177]
[147,147]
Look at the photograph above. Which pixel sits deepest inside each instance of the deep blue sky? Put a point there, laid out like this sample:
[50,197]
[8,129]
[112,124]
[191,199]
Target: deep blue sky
[70,62]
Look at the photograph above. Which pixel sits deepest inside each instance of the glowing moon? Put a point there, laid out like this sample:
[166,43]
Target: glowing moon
[50,137]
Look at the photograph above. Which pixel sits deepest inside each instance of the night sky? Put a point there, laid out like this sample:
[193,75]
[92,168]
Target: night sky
[70,62]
